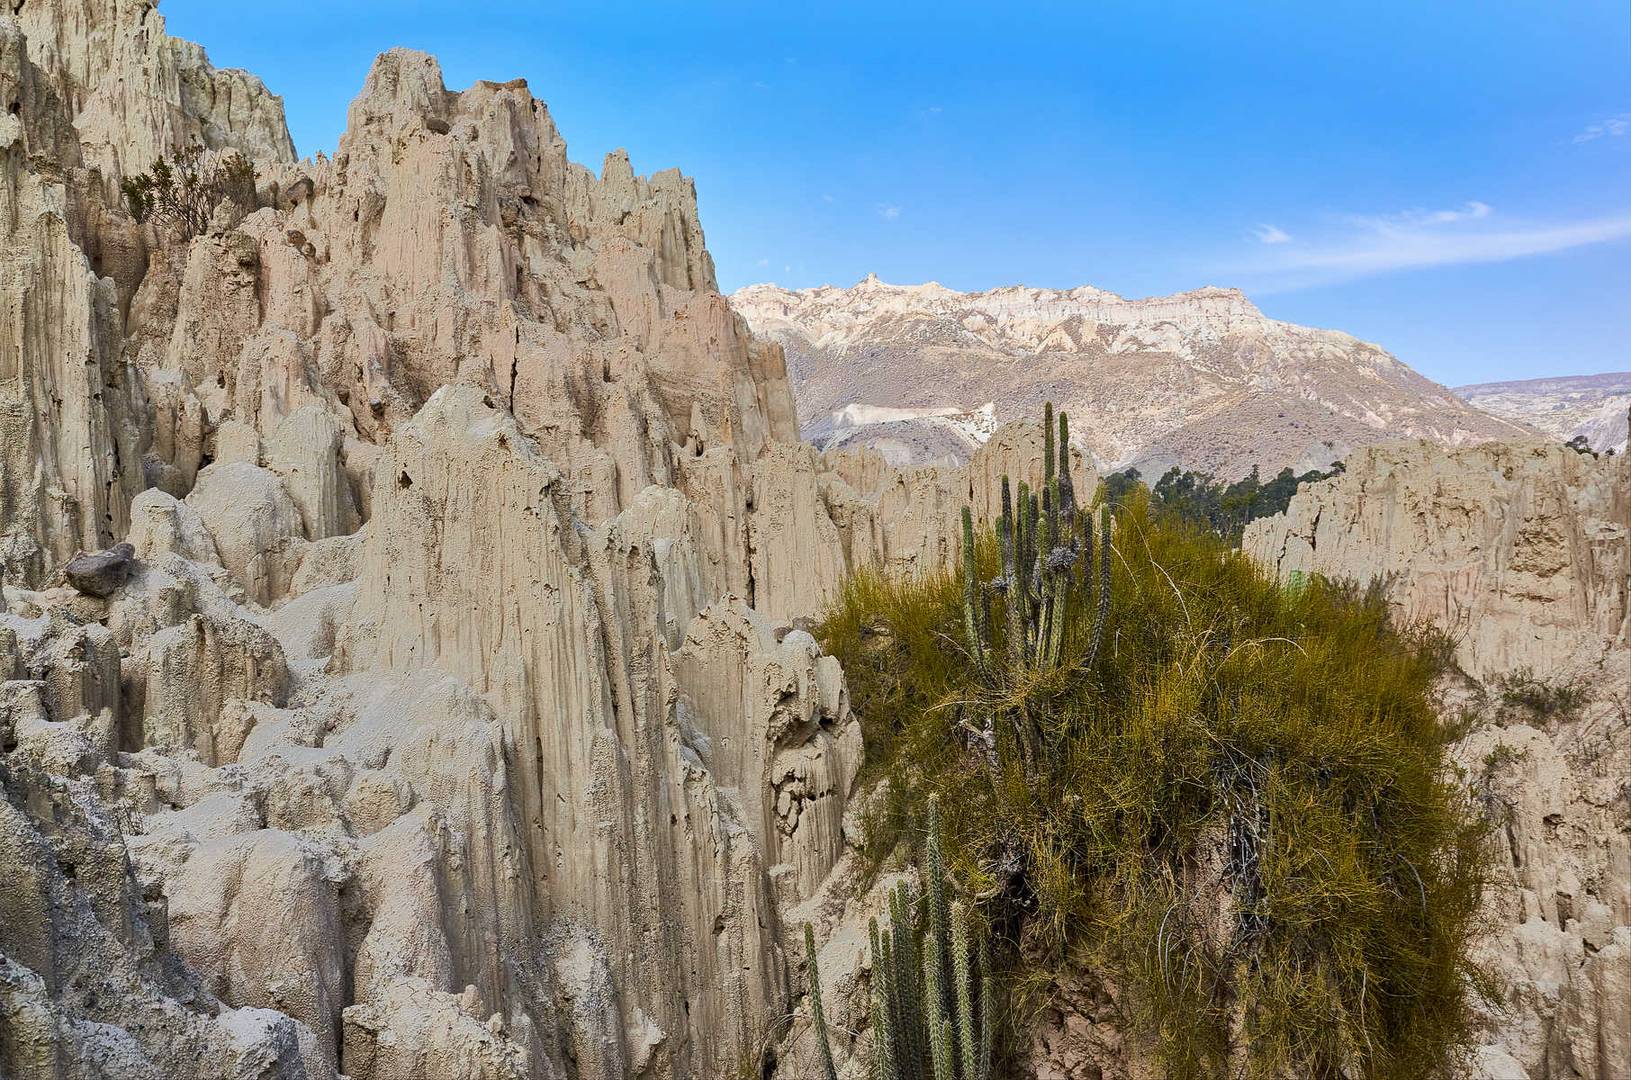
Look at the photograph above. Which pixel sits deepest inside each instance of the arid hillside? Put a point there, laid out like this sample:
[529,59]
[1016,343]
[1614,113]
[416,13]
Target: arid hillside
[1201,379]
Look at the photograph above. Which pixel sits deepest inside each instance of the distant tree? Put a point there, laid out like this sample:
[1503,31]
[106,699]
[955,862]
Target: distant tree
[1224,509]
[1117,486]
[183,192]
[1580,445]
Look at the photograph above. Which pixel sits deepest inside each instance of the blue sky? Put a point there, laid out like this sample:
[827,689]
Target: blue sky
[1451,180]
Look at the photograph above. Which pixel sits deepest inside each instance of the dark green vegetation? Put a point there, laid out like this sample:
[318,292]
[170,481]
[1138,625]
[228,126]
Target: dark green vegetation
[1542,699]
[1225,509]
[183,193]
[1234,808]
[933,1014]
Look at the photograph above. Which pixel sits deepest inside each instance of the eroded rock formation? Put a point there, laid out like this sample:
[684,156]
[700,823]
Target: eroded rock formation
[447,718]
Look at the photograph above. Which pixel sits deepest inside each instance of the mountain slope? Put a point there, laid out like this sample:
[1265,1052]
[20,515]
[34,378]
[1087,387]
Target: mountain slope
[1199,378]
[1565,406]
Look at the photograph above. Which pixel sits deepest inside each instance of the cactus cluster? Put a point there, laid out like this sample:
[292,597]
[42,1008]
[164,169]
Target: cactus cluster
[932,996]
[1048,558]
[1052,575]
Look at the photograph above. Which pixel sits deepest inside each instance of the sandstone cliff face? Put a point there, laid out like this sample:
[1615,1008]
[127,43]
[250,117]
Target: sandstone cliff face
[1201,379]
[450,720]
[1522,552]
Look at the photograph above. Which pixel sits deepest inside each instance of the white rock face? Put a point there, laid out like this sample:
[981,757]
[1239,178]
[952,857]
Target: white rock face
[1565,407]
[1521,551]
[1201,378]
[451,721]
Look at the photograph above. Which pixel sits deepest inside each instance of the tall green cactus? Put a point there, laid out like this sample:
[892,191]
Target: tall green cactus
[933,1012]
[818,1014]
[1045,541]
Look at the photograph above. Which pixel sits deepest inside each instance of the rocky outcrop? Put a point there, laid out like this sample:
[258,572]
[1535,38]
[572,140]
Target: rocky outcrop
[449,717]
[1520,551]
[1202,379]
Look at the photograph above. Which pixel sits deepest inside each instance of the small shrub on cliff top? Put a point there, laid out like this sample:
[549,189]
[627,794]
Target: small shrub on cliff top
[1241,814]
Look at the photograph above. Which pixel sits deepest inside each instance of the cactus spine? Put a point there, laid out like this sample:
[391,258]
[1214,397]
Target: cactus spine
[818,1015]
[932,1015]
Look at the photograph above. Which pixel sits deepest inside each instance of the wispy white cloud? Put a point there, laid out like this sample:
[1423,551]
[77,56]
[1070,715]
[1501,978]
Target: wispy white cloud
[762,262]
[1472,210]
[1611,128]
[1365,246]
[889,213]
[1271,234]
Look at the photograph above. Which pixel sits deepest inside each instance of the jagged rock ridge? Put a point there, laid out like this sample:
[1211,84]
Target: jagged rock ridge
[1201,379]
[448,718]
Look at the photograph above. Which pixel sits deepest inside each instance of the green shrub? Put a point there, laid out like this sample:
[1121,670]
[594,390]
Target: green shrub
[1240,812]
[1541,698]
[1224,508]
[183,192]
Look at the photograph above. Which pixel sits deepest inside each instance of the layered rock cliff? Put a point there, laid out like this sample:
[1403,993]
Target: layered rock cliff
[1202,379]
[445,715]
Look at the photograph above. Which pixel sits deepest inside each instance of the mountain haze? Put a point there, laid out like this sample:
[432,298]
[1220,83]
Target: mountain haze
[1202,378]
[1563,406]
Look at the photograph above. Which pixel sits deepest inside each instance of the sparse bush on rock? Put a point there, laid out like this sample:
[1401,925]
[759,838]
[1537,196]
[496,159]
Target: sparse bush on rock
[183,191]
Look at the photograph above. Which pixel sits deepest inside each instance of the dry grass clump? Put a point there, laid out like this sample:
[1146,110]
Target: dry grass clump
[1241,816]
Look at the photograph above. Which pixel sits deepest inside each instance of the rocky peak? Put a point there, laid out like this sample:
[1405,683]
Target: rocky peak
[435,697]
[1200,378]
[133,92]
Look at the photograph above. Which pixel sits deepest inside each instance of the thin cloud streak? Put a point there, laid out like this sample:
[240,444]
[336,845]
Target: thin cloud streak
[1420,240]
[1271,234]
[1612,128]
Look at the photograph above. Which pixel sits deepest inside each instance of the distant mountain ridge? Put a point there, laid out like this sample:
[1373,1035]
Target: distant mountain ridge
[1564,406]
[1202,379]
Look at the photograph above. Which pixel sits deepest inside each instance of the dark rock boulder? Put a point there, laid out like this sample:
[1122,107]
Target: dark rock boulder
[100,572]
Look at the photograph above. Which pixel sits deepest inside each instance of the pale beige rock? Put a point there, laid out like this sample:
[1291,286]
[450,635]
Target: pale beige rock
[161,523]
[134,92]
[499,784]
[237,441]
[219,920]
[305,450]
[70,411]
[254,523]
[421,1031]
[1522,551]
[795,763]
[592,704]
